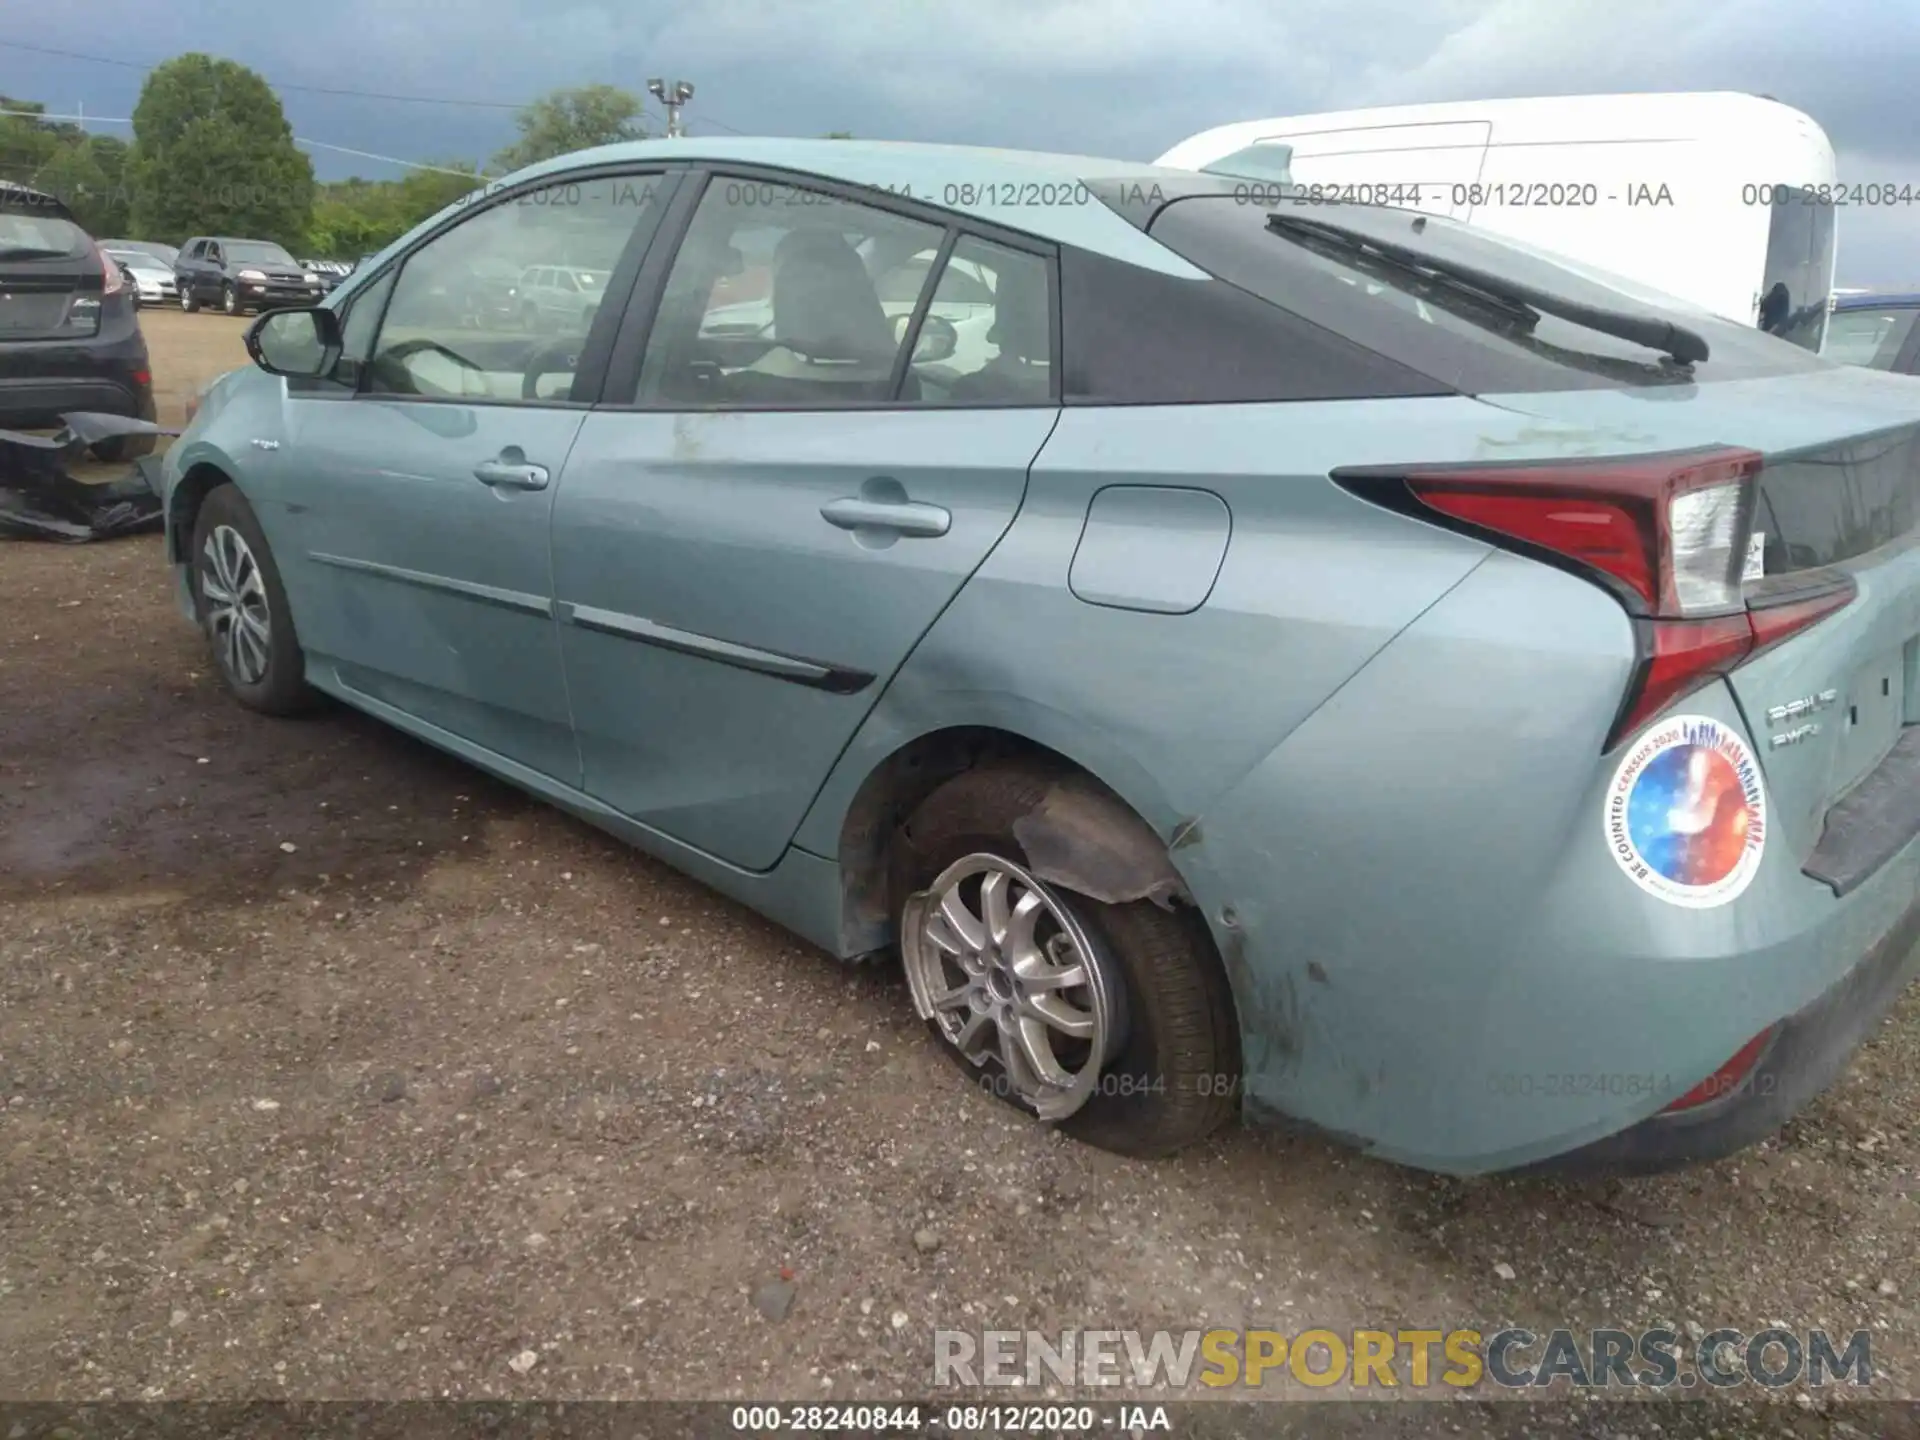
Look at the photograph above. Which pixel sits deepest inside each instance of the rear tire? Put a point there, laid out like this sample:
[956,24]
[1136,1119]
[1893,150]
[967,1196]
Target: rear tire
[1172,1076]
[243,610]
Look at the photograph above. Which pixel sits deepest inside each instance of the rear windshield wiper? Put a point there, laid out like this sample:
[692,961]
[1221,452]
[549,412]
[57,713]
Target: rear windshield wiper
[1450,292]
[1684,345]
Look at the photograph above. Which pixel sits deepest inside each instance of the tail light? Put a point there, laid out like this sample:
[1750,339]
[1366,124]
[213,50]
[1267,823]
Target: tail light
[115,281]
[1667,535]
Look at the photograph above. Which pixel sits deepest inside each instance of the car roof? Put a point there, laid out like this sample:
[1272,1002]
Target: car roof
[1877,302]
[1034,192]
[39,199]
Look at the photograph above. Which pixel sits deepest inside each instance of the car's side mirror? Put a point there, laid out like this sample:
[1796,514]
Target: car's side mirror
[938,341]
[301,343]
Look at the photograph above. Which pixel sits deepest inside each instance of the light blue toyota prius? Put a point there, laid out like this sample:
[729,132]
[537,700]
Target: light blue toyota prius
[1241,652]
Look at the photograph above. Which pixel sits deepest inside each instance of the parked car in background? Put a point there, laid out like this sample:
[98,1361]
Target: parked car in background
[331,272]
[557,297]
[1335,662]
[151,276]
[241,275]
[164,253]
[69,335]
[1875,330]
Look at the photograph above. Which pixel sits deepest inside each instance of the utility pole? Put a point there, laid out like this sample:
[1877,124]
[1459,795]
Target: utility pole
[672,95]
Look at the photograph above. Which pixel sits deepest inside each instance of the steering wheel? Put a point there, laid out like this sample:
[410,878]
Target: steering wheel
[396,358]
[566,350]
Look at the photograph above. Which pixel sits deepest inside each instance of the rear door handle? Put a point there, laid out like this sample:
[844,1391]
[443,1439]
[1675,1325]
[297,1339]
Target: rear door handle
[506,474]
[903,517]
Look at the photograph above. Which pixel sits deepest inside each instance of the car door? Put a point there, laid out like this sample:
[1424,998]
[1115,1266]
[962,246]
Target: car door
[187,268]
[765,515]
[213,271]
[424,481]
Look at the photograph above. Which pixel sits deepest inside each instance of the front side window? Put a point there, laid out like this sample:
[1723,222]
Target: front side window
[460,323]
[773,301]
[1873,338]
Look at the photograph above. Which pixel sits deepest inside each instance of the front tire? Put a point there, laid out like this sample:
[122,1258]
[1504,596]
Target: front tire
[189,302]
[1114,1021]
[229,300]
[243,608]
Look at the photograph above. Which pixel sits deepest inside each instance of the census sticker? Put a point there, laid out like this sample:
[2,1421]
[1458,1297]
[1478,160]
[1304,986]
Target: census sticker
[1686,815]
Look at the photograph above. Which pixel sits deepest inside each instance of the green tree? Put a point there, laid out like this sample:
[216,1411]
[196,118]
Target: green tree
[354,217]
[27,142]
[213,155]
[88,176]
[563,121]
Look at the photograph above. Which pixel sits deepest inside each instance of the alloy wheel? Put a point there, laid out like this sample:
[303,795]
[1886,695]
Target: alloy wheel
[1005,973]
[238,618]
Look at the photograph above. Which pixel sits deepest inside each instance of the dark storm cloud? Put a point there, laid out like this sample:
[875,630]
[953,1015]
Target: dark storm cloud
[1122,77]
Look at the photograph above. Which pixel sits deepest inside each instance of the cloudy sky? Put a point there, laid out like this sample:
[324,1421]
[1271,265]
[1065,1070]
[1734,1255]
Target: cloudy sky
[1119,77]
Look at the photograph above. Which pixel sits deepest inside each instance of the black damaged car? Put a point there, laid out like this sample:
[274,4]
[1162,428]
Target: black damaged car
[69,336]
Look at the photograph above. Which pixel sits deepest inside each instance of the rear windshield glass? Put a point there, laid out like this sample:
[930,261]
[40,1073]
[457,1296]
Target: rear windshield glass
[1460,345]
[1868,337]
[1799,273]
[29,235]
[257,252]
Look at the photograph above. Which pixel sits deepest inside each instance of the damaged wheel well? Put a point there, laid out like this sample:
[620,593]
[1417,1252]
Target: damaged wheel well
[183,507]
[1081,835]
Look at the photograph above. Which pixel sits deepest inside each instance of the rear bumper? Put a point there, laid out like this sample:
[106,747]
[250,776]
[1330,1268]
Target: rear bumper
[1806,1055]
[40,381]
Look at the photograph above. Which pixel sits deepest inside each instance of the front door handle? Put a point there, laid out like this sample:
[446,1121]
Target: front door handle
[511,473]
[903,517]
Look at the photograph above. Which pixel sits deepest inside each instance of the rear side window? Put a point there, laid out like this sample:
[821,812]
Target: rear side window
[1461,347]
[1873,338]
[1795,286]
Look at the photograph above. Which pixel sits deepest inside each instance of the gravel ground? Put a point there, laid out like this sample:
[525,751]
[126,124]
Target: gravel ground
[330,1068]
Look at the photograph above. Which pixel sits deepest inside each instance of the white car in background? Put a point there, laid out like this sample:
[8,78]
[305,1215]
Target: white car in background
[152,277]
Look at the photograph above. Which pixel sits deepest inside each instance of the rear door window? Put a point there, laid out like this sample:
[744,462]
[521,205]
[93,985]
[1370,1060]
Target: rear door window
[1799,272]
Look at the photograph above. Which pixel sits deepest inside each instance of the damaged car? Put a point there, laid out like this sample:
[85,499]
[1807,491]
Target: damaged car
[1290,657]
[69,329]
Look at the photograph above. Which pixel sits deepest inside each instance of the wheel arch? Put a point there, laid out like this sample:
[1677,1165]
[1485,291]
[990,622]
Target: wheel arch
[1085,834]
[189,493]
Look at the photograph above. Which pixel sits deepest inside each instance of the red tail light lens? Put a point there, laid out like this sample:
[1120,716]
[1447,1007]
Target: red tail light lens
[115,281]
[1668,535]
[1671,531]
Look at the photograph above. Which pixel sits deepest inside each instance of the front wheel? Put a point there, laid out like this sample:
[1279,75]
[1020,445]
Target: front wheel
[243,608]
[189,302]
[229,301]
[1113,1021]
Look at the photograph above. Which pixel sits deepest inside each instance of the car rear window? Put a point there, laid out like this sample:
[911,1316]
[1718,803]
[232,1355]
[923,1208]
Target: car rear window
[1229,237]
[30,233]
